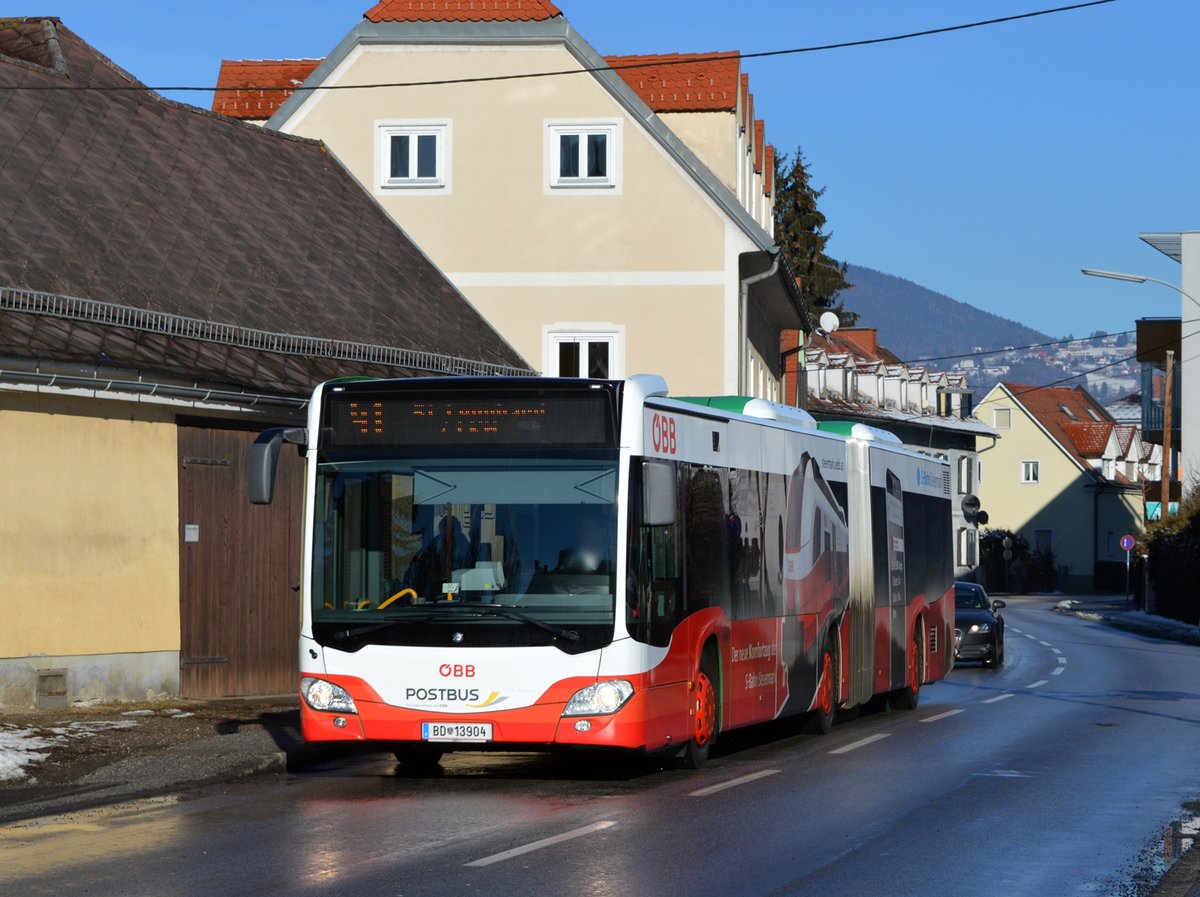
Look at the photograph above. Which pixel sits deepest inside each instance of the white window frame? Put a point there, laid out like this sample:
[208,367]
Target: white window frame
[965,486]
[440,129]
[968,550]
[996,412]
[555,335]
[555,129]
[1036,470]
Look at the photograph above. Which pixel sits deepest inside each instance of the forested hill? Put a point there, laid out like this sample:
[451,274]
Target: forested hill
[915,322]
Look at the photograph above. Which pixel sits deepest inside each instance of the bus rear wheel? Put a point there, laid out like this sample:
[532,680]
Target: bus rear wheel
[820,718]
[704,720]
[906,698]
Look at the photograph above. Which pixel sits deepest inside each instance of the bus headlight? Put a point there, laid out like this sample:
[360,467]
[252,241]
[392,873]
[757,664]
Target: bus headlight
[322,695]
[601,698]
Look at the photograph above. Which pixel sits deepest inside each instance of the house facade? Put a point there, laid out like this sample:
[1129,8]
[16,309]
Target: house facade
[608,215]
[1066,477]
[172,282]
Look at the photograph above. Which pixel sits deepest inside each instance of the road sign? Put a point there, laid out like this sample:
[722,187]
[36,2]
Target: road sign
[1127,542]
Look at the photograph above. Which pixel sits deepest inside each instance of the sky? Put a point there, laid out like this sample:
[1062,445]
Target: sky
[989,164]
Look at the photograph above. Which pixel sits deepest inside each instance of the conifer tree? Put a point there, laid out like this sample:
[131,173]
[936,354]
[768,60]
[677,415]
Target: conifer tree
[799,235]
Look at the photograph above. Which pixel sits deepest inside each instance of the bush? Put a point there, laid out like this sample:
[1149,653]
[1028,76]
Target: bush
[991,560]
[1173,544]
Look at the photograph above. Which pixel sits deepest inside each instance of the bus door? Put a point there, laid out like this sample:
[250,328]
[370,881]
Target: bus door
[897,599]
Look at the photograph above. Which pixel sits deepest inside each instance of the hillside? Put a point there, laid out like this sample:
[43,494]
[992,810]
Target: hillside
[915,322]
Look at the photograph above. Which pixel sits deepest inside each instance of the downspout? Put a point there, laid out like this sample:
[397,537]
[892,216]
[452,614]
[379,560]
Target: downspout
[1096,532]
[743,310]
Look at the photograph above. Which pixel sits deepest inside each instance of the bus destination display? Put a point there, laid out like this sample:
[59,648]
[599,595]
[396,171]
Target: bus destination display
[363,420]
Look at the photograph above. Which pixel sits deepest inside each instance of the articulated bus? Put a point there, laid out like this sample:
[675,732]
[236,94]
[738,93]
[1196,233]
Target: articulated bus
[519,563]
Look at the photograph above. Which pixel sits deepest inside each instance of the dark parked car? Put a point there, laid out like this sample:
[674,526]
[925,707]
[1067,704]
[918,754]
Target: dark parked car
[978,626]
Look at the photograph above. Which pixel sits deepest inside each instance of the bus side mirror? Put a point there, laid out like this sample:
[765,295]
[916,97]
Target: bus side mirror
[658,493]
[264,460]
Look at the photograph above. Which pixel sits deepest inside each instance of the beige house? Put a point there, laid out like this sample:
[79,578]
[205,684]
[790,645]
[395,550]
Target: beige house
[1064,476]
[607,215]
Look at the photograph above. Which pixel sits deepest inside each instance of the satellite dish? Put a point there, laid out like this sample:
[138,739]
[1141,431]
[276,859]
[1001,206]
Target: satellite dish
[829,322]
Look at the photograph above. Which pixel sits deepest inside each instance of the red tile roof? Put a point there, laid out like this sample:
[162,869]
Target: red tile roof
[1125,437]
[769,172]
[255,88]
[462,11]
[1090,438]
[682,82]
[760,128]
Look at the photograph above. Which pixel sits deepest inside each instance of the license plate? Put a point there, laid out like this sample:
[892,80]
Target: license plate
[477,732]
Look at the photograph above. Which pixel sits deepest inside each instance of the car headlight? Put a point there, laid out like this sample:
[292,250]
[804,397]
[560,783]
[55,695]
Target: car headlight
[981,627]
[322,695]
[601,698]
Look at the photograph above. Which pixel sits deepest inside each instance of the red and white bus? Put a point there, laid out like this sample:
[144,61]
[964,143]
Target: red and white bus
[541,563]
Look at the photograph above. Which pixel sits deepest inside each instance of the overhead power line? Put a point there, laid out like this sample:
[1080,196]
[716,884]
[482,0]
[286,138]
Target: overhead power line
[690,60]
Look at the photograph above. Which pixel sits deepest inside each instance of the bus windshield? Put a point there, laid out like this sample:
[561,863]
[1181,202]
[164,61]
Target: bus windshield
[518,549]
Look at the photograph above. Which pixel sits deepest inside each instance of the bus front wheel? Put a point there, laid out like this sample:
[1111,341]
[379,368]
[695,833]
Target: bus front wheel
[704,719]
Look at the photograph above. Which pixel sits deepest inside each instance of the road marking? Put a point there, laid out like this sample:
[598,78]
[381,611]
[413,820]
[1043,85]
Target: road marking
[1055,650]
[1038,684]
[1046,644]
[733,783]
[1003,697]
[1062,660]
[1034,637]
[1013,629]
[934,719]
[1003,774]
[1057,671]
[538,845]
[863,743]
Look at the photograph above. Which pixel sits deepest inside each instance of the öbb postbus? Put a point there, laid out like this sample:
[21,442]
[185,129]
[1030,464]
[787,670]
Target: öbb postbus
[541,563]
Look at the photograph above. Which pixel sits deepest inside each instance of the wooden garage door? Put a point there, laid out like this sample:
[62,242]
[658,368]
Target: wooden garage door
[240,615]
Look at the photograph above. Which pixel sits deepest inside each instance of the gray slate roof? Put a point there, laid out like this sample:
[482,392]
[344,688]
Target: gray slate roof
[121,196]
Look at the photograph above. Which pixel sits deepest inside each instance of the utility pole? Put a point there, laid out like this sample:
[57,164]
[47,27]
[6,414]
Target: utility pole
[1166,468]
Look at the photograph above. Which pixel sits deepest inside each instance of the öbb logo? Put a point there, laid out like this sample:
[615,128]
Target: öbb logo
[457,671]
[662,434]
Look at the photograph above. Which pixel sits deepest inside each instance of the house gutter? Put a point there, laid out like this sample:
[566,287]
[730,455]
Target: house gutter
[743,311]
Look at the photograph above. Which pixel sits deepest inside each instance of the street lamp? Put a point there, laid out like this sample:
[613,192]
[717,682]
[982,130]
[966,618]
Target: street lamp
[1135,278]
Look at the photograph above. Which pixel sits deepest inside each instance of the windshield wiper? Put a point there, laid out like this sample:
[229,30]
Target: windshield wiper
[355,632]
[499,610]
[510,611]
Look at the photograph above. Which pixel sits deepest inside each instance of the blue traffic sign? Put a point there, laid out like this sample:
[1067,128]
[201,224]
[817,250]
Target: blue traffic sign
[1127,542]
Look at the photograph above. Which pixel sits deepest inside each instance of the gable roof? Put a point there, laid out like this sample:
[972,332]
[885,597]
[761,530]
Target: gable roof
[462,11]
[203,248]
[669,82]
[1063,413]
[682,82]
[255,88]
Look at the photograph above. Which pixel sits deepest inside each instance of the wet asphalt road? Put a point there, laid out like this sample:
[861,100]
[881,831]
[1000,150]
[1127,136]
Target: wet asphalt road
[1054,775]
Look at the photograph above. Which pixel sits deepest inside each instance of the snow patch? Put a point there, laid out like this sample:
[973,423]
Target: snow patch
[20,747]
